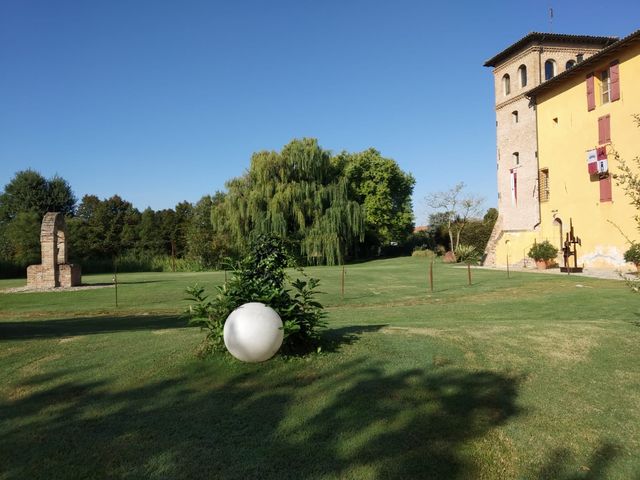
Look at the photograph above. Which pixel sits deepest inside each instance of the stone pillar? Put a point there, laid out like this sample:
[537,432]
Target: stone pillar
[49,248]
[62,247]
[54,271]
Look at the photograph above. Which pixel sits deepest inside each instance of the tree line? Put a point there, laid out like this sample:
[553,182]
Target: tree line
[329,208]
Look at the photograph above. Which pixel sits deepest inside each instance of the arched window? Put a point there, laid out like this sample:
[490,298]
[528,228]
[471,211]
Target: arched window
[549,69]
[506,84]
[570,64]
[516,158]
[514,116]
[522,73]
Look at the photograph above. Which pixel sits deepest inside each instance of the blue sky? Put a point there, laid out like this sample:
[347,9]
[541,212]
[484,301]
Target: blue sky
[164,101]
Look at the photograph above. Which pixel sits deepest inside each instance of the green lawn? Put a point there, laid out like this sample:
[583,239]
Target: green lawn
[536,376]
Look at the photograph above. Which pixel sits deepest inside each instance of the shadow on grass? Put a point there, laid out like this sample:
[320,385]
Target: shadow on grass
[352,421]
[561,464]
[87,326]
[334,338]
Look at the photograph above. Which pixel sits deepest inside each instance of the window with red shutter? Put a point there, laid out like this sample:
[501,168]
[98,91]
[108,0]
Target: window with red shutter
[614,74]
[604,129]
[605,189]
[591,95]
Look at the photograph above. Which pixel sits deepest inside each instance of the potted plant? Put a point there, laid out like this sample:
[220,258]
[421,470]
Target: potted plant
[543,253]
[633,255]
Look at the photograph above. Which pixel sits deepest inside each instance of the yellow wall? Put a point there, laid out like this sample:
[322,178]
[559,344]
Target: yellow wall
[562,148]
[516,246]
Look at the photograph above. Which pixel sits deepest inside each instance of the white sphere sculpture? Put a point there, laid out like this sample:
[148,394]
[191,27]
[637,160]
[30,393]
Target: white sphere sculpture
[253,332]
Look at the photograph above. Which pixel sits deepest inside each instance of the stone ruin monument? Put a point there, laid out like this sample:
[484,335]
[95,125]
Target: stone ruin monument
[54,271]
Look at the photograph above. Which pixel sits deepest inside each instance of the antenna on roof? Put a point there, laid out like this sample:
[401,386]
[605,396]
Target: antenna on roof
[550,20]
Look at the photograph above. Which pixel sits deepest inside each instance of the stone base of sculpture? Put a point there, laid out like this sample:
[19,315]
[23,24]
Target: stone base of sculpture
[40,276]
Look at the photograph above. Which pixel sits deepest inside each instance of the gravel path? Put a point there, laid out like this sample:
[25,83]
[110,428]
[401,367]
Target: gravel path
[26,289]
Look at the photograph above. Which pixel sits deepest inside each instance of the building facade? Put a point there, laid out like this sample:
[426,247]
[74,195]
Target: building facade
[585,116]
[522,67]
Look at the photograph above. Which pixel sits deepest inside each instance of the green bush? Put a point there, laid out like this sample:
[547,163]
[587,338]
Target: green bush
[12,269]
[261,277]
[543,251]
[466,254]
[423,252]
[633,254]
[440,250]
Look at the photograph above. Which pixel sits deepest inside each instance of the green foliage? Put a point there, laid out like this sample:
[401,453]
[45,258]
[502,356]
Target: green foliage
[423,253]
[103,228]
[205,246]
[296,194]
[384,190]
[633,254]
[324,206]
[260,277]
[28,191]
[478,232]
[543,251]
[453,209]
[22,235]
[420,240]
[25,199]
[467,254]
[474,232]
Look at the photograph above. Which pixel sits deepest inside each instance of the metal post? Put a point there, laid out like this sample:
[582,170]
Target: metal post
[508,274]
[431,274]
[115,278]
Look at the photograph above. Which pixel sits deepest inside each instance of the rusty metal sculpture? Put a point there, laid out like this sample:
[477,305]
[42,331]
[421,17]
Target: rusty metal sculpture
[54,271]
[567,251]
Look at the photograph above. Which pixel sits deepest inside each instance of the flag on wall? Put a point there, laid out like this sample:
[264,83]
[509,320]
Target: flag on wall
[602,153]
[603,166]
[592,162]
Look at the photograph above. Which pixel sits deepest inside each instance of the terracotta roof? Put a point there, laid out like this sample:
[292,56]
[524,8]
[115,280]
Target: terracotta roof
[586,65]
[539,37]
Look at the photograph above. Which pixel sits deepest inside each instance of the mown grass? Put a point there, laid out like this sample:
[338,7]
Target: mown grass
[535,376]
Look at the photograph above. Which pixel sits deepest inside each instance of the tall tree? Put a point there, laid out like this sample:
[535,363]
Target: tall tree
[184,213]
[298,194]
[23,203]
[454,208]
[104,228]
[384,190]
[200,233]
[29,191]
[22,236]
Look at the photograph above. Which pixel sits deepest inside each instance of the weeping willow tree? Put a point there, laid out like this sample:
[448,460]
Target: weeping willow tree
[297,194]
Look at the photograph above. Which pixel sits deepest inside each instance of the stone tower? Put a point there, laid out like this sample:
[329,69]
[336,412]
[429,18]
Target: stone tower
[516,70]
[54,271]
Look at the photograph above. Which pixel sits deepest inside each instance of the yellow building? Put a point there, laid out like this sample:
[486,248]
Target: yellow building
[521,67]
[583,116]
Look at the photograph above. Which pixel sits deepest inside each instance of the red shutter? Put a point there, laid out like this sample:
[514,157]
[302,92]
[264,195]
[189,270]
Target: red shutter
[605,189]
[614,75]
[604,129]
[601,153]
[591,94]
